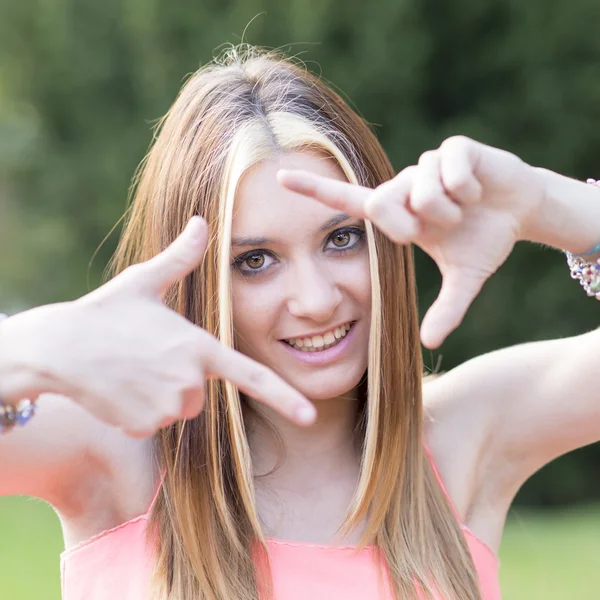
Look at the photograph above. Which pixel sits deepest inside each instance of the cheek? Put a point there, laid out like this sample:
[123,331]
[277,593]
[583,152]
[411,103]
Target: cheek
[254,312]
[356,279]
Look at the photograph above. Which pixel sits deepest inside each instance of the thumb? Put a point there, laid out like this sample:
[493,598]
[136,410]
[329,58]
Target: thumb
[179,259]
[459,289]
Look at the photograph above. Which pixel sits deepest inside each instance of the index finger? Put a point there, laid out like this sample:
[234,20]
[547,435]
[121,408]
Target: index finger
[349,197]
[259,382]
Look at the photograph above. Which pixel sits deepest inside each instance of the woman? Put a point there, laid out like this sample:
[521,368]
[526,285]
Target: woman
[232,498]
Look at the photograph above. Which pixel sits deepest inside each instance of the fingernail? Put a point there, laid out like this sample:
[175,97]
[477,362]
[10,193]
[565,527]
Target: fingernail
[290,177]
[194,227]
[306,413]
[283,174]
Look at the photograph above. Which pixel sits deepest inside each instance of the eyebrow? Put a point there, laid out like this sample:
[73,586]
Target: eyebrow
[261,241]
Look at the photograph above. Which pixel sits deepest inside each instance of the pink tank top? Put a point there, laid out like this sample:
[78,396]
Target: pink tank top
[117,565]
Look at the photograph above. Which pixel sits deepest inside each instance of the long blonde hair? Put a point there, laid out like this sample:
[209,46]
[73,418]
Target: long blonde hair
[239,110]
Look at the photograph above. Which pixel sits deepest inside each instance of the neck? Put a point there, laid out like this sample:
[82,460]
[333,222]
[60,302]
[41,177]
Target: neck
[312,454]
[305,486]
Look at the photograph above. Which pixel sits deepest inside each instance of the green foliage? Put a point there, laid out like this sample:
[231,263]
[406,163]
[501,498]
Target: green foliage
[82,82]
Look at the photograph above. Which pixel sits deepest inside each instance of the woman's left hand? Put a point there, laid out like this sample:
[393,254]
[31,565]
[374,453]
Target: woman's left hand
[465,204]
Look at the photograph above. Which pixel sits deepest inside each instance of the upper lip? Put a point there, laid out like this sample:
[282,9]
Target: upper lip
[308,335]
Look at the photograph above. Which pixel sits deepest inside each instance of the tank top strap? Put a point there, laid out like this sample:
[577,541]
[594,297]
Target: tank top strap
[440,482]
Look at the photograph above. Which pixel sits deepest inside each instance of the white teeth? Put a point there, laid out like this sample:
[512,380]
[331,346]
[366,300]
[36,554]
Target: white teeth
[320,342]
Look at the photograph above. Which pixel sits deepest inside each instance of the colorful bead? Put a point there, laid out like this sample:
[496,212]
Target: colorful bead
[586,272]
[26,412]
[11,416]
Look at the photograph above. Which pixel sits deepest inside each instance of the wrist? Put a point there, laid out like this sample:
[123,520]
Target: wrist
[25,368]
[568,218]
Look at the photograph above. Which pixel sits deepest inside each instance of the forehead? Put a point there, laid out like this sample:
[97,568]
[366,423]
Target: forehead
[265,208]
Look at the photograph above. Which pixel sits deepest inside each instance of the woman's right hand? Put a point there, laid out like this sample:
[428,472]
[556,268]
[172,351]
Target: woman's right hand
[123,355]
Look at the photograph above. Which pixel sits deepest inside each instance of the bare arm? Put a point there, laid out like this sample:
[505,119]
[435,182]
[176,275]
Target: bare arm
[498,418]
[543,402]
[127,361]
[514,410]
[49,457]
[542,397]
[63,445]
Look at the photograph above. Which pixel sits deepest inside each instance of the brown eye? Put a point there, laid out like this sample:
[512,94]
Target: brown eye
[256,261]
[346,239]
[341,239]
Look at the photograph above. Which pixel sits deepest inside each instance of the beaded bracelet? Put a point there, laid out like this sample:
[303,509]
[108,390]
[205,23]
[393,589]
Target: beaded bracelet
[11,416]
[588,273]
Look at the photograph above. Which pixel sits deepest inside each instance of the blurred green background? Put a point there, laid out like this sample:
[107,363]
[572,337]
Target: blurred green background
[82,82]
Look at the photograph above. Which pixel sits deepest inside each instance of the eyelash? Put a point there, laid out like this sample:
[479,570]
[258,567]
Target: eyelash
[239,261]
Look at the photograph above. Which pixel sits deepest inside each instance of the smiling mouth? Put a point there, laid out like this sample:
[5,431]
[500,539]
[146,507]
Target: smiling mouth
[318,343]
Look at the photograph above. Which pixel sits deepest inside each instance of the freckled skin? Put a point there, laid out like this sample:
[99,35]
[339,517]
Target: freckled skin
[305,284]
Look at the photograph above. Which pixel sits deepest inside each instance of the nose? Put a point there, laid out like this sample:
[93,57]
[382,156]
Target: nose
[314,293]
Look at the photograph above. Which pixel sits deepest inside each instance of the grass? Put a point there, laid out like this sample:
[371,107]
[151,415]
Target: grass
[544,556]
[30,544]
[552,556]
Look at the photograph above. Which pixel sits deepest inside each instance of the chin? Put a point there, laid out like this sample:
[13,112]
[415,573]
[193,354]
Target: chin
[325,387]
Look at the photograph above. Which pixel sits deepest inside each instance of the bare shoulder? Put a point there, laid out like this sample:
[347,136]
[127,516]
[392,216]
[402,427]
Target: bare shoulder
[494,420]
[503,415]
[118,489]
[458,430]
[93,475]
[454,436]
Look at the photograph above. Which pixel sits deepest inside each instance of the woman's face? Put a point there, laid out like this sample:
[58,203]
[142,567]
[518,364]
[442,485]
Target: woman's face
[300,279]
